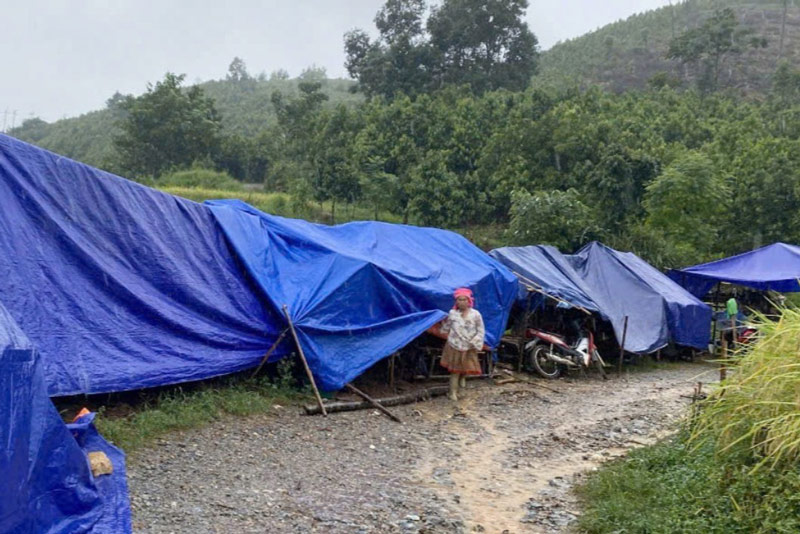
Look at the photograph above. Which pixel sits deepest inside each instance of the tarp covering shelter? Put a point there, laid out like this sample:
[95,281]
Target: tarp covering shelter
[47,486]
[357,292]
[774,267]
[615,285]
[658,310]
[118,285]
[545,268]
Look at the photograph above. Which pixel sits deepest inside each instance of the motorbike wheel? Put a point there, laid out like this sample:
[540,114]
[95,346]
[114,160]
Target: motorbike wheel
[542,364]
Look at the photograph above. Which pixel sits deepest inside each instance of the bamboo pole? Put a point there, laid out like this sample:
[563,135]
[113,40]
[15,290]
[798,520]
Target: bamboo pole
[375,403]
[622,346]
[269,352]
[533,286]
[305,362]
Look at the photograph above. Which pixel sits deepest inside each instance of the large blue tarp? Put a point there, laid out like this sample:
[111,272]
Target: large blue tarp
[774,267]
[47,486]
[359,291]
[544,268]
[658,310]
[120,286]
[615,285]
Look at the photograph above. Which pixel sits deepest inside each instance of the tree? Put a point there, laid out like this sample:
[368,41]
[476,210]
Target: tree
[397,62]
[557,218]
[687,205]
[335,173]
[484,43]
[237,71]
[708,45]
[167,127]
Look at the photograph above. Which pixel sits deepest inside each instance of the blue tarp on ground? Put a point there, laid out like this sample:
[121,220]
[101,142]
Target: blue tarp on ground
[616,284]
[547,269]
[47,486]
[658,310]
[358,292]
[120,286]
[774,267]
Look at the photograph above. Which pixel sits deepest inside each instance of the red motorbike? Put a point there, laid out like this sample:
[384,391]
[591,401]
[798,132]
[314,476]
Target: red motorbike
[549,354]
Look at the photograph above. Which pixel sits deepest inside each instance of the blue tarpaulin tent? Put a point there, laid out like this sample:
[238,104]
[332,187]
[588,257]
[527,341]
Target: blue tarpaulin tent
[358,292]
[774,267]
[615,285]
[120,286]
[658,310]
[545,268]
[47,486]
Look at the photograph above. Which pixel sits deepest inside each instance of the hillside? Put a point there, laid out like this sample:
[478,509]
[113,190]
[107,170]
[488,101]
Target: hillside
[626,54]
[245,107]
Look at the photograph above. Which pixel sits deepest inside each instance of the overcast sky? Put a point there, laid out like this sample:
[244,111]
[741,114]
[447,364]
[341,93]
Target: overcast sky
[65,57]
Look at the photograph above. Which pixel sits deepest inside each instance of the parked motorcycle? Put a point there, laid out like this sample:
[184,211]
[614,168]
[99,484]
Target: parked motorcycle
[549,354]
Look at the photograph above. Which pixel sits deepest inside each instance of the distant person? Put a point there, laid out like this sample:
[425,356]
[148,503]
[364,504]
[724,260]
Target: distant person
[464,326]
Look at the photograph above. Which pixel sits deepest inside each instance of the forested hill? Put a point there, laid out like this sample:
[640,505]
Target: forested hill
[629,53]
[242,100]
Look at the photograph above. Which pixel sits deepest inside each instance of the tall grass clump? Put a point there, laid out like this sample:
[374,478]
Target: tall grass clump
[734,465]
[754,416]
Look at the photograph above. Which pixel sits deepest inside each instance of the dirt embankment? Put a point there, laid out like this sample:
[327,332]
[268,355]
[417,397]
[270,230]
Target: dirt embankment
[502,460]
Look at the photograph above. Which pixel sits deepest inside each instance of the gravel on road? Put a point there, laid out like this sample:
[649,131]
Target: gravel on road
[501,460]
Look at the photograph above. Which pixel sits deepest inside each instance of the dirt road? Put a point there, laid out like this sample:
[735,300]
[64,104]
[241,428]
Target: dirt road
[502,460]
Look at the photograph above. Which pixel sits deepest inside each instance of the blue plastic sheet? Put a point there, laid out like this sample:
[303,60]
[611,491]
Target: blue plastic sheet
[658,310]
[774,267]
[47,486]
[615,285]
[120,286]
[544,267]
[358,292]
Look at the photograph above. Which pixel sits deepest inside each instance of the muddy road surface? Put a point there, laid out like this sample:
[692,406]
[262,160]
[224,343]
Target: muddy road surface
[501,460]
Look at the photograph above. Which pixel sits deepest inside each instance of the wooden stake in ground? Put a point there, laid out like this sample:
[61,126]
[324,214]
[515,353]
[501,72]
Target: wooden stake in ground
[723,371]
[622,347]
[305,362]
[269,352]
[375,403]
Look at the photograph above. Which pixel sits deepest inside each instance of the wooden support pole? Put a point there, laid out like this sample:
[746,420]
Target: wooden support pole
[270,351]
[723,370]
[622,347]
[392,359]
[305,362]
[375,403]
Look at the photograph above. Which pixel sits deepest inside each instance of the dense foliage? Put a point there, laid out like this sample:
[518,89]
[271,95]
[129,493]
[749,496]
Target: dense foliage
[678,175]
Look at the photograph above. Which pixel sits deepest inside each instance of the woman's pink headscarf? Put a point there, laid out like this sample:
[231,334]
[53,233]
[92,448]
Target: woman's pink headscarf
[464,292]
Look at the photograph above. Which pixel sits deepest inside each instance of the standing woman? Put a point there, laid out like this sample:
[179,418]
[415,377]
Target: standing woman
[464,326]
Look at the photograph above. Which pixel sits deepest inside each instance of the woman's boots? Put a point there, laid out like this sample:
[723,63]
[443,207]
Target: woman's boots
[453,394]
[462,381]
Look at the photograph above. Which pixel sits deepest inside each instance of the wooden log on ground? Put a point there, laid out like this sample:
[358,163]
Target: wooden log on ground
[396,400]
[374,403]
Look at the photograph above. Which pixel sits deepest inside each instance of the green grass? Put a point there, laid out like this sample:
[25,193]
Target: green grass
[181,408]
[675,487]
[283,204]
